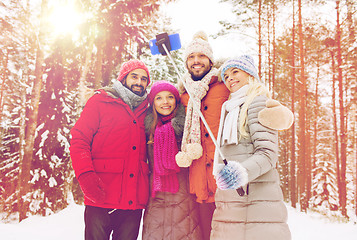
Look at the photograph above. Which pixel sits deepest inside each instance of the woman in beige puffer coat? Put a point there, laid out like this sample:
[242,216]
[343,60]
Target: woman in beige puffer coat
[251,150]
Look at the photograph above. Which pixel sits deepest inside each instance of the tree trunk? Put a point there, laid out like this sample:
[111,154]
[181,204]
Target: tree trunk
[25,167]
[335,128]
[356,159]
[293,160]
[260,38]
[109,53]
[308,163]
[274,47]
[269,43]
[84,92]
[315,120]
[351,23]
[98,76]
[343,135]
[22,123]
[25,78]
[3,77]
[302,119]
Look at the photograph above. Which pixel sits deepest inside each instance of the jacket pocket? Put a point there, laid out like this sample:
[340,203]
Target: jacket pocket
[110,172]
[143,183]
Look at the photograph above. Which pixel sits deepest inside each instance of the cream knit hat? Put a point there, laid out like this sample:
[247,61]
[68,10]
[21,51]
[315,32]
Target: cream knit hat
[199,44]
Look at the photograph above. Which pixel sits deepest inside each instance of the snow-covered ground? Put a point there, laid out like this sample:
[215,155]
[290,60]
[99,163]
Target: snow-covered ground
[68,224]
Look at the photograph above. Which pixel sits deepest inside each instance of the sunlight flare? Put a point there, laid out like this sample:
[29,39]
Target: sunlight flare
[64,18]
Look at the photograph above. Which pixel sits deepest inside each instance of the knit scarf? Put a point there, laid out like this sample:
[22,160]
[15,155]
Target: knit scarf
[198,90]
[165,149]
[133,100]
[228,125]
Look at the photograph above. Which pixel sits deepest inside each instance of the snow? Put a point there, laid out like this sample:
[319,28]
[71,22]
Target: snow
[313,226]
[68,224]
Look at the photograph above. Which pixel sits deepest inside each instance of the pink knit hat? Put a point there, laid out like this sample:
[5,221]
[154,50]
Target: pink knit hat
[131,65]
[160,86]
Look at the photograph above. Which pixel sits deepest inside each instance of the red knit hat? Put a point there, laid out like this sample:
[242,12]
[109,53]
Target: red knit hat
[160,86]
[131,65]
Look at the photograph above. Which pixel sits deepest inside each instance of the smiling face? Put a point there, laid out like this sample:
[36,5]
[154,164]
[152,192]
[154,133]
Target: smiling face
[235,79]
[137,81]
[198,65]
[164,103]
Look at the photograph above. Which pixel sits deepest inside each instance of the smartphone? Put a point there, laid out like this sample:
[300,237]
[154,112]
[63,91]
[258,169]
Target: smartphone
[174,42]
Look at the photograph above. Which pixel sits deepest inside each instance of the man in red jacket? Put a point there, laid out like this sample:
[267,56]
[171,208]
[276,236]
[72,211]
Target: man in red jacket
[209,93]
[108,152]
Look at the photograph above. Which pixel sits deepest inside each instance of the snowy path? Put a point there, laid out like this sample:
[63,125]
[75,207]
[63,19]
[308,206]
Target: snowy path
[68,224]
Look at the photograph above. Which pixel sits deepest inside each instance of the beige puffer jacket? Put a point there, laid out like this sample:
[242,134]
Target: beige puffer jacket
[260,213]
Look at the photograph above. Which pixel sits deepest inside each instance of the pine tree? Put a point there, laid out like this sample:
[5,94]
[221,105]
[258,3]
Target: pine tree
[44,87]
[15,54]
[343,129]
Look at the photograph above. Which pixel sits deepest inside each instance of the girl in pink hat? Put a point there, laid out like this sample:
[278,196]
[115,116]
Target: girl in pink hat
[171,212]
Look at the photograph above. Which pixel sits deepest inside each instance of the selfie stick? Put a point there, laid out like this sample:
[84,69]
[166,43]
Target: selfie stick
[162,43]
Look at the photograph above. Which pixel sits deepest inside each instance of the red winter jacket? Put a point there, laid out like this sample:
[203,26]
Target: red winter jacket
[109,139]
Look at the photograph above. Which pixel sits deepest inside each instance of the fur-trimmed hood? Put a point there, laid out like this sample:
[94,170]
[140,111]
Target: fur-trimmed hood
[177,122]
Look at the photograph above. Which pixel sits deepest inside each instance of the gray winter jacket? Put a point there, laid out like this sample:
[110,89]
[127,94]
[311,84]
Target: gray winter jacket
[260,213]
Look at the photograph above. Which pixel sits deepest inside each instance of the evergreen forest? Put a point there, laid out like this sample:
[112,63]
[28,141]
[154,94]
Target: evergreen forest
[55,53]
